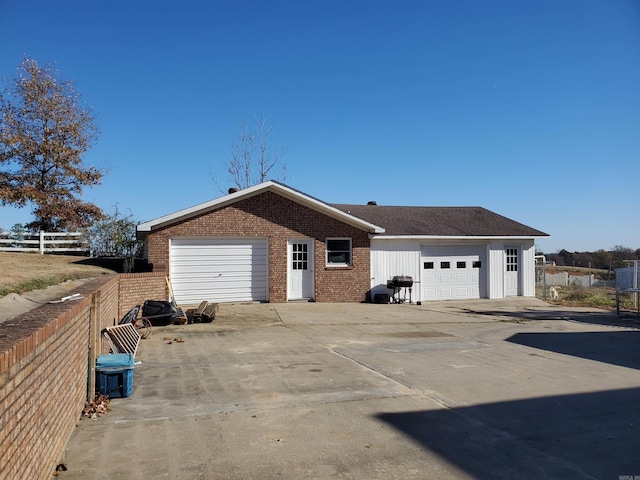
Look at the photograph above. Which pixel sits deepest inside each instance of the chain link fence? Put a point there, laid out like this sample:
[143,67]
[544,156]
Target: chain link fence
[617,292]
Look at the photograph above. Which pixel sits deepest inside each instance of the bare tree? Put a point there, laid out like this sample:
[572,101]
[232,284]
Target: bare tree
[44,132]
[255,155]
[619,254]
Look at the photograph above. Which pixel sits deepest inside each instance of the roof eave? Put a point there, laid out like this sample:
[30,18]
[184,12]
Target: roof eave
[145,228]
[456,237]
[325,208]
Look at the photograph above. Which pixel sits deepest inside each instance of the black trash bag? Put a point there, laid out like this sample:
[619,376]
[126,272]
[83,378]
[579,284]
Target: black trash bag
[159,311]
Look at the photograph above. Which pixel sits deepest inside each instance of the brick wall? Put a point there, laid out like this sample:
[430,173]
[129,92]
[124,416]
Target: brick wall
[279,219]
[135,288]
[44,369]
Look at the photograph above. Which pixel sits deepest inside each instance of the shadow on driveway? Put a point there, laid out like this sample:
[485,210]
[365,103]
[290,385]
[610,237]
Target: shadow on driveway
[590,435]
[617,347]
[587,316]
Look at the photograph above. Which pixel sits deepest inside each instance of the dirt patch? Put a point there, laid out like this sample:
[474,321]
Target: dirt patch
[13,304]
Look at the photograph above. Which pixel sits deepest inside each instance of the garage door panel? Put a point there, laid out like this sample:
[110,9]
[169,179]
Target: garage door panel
[241,264]
[449,272]
[219,269]
[220,257]
[227,288]
[202,282]
[226,291]
[212,269]
[462,278]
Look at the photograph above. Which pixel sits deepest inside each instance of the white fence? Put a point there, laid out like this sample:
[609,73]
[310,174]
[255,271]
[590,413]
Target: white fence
[563,279]
[557,279]
[582,280]
[44,242]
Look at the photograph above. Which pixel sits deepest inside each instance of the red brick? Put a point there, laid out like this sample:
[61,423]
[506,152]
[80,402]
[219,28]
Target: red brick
[279,219]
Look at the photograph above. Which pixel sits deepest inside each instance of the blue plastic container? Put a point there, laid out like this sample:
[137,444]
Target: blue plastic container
[115,360]
[114,375]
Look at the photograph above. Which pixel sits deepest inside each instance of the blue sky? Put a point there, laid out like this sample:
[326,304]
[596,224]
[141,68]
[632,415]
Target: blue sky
[529,108]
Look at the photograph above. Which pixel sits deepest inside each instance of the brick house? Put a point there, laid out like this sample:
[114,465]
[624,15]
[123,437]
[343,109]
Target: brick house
[272,243]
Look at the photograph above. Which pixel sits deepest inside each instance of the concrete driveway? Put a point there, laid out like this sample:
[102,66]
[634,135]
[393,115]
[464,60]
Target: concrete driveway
[483,389]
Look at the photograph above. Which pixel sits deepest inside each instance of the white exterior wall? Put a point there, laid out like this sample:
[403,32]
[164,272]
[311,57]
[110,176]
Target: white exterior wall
[527,278]
[390,258]
[495,286]
[528,269]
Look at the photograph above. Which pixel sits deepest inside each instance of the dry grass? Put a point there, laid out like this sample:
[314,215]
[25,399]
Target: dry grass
[577,296]
[21,272]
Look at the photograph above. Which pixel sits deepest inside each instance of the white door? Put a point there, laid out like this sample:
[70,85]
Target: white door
[218,269]
[300,270]
[512,264]
[453,272]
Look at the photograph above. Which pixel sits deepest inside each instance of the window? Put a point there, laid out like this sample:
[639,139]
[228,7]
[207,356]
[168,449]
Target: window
[445,264]
[461,264]
[512,259]
[299,256]
[477,264]
[428,265]
[339,251]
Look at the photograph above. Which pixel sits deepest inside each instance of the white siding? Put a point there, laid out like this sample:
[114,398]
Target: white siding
[496,270]
[390,258]
[528,268]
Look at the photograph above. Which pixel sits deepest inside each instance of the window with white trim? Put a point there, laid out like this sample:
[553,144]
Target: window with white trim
[338,252]
[512,259]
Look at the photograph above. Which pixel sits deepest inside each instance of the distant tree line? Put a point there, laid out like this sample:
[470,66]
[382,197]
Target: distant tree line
[602,259]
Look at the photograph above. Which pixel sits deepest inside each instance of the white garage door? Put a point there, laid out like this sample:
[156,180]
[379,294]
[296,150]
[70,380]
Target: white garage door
[218,270]
[453,272]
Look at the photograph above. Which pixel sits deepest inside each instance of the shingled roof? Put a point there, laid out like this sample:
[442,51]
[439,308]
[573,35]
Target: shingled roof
[440,221]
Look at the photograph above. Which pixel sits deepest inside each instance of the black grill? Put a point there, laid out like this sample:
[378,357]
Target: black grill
[400,282]
[396,284]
